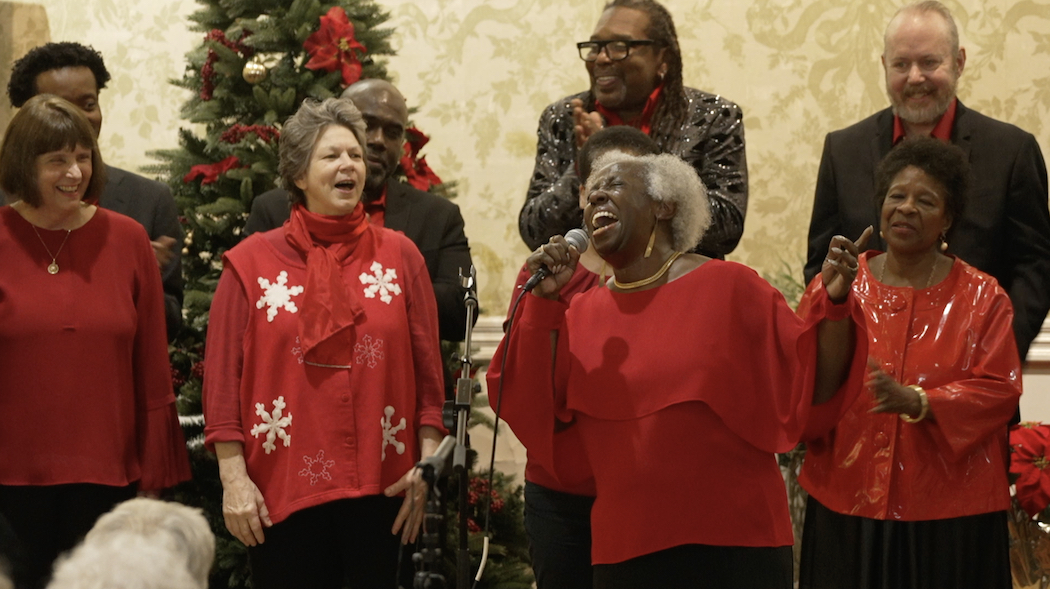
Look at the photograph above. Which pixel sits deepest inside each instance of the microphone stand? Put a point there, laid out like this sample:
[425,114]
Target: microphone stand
[462,407]
[453,449]
[428,558]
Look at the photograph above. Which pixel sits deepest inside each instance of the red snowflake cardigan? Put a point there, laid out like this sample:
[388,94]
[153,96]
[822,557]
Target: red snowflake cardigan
[315,434]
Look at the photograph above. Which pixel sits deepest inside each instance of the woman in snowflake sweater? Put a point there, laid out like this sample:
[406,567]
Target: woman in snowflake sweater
[324,386]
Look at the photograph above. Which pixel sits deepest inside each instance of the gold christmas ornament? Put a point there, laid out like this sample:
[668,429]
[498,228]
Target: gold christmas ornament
[254,71]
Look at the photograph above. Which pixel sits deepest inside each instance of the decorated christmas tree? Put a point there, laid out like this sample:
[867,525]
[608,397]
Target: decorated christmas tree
[258,61]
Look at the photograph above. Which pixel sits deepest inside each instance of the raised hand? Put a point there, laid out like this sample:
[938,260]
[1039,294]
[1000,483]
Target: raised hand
[840,265]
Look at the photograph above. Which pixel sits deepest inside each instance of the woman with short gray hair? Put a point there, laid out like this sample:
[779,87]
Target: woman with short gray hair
[324,383]
[681,379]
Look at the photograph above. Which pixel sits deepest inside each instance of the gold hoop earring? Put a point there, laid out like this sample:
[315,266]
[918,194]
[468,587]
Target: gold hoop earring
[652,242]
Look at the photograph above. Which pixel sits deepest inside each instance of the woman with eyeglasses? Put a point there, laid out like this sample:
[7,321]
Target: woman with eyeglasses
[635,69]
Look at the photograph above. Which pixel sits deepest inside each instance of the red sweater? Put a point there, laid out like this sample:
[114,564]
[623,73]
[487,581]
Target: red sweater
[682,394]
[341,432]
[85,383]
[956,341]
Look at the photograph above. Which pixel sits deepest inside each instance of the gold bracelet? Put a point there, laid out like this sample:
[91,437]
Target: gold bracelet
[924,403]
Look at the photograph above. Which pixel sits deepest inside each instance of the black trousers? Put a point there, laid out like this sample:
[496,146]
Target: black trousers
[697,566]
[343,543]
[559,529]
[49,520]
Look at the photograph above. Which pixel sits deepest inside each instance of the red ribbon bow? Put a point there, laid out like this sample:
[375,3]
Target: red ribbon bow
[211,172]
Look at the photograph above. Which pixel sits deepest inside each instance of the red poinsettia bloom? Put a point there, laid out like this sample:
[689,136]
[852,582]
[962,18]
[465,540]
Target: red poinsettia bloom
[417,172]
[332,46]
[1030,444]
[211,172]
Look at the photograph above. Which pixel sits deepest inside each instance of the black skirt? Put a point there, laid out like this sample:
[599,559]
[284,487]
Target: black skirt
[697,566]
[971,552]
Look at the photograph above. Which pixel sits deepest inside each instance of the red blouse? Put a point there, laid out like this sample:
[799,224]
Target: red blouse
[682,394]
[956,341]
[85,383]
[577,478]
[314,434]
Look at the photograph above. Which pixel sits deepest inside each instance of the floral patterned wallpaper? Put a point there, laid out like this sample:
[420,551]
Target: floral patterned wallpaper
[480,71]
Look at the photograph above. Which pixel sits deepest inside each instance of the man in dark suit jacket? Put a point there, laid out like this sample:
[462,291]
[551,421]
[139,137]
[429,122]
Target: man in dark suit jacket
[433,223]
[77,73]
[1005,229]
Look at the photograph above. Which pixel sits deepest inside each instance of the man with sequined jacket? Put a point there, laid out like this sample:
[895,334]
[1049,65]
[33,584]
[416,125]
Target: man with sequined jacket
[635,68]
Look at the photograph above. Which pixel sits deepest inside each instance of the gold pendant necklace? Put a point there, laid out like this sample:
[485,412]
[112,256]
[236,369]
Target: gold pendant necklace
[647,281]
[929,280]
[52,268]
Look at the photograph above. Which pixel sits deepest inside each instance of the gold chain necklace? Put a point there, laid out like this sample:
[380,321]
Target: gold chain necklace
[52,268]
[929,280]
[647,281]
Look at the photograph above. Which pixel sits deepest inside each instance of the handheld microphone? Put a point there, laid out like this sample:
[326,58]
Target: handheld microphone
[576,238]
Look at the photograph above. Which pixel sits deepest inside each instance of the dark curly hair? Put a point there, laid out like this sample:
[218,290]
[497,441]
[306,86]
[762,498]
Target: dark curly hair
[626,139]
[943,162]
[673,108]
[52,56]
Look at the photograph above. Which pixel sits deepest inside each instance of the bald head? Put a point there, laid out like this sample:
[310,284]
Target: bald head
[935,15]
[386,116]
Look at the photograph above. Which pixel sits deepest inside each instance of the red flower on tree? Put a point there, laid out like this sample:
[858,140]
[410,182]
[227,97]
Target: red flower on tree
[1030,444]
[332,46]
[211,172]
[417,172]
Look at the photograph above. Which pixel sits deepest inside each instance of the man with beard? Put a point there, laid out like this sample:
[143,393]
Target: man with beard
[1005,229]
[433,223]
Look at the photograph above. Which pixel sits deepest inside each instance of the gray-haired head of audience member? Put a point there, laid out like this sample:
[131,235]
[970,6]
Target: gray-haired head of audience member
[122,562]
[301,132]
[179,529]
[671,180]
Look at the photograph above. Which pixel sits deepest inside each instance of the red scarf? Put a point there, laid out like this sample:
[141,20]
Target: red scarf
[642,122]
[326,320]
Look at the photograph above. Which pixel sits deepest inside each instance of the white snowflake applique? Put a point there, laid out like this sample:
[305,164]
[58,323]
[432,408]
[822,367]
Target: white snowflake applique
[317,468]
[273,425]
[390,431]
[277,295]
[297,351]
[380,281]
[369,350]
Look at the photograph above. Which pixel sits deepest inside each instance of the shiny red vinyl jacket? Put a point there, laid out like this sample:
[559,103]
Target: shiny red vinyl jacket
[955,340]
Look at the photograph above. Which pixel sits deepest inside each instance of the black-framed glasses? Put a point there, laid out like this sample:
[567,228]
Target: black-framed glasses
[616,50]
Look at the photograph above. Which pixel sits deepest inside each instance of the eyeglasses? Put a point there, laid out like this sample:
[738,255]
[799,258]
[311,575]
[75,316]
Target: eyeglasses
[616,50]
